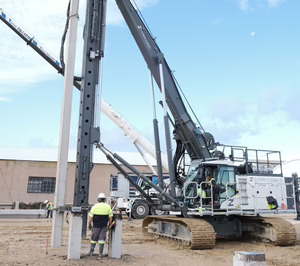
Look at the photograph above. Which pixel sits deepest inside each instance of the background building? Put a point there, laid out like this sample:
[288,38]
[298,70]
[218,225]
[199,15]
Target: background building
[30,175]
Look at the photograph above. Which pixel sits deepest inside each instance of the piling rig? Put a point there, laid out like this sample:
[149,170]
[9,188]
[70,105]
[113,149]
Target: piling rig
[233,206]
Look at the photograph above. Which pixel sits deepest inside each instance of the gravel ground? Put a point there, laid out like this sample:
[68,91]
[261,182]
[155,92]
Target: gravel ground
[23,242]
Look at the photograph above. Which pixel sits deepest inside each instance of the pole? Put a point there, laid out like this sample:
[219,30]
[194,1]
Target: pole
[62,162]
[115,238]
[167,134]
[156,139]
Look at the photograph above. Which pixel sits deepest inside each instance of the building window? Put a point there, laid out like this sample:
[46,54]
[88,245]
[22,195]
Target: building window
[41,184]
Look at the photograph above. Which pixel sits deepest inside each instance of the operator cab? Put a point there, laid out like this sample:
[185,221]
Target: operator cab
[220,185]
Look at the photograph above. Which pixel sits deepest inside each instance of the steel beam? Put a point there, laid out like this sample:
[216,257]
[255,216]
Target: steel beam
[94,38]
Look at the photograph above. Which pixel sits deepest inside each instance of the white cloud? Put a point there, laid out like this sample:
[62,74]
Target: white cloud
[274,3]
[4,99]
[45,20]
[253,33]
[268,121]
[244,5]
[42,19]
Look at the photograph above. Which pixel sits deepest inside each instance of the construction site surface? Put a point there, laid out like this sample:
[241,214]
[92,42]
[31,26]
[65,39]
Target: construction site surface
[27,242]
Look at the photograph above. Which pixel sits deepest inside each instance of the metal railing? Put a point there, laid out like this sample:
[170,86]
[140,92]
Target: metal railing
[237,208]
[202,210]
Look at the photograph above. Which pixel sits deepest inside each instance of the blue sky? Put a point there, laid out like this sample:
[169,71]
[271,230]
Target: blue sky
[237,61]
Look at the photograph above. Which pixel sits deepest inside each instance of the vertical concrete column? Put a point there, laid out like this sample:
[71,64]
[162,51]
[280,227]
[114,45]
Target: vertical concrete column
[62,161]
[249,259]
[17,206]
[115,239]
[57,229]
[75,229]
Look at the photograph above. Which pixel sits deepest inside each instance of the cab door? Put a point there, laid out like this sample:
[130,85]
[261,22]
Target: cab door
[225,184]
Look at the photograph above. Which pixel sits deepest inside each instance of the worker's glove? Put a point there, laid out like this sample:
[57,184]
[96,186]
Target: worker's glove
[90,226]
[112,225]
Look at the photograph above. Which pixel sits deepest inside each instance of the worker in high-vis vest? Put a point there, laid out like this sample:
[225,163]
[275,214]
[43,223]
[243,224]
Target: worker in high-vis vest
[211,182]
[49,208]
[202,196]
[201,193]
[99,216]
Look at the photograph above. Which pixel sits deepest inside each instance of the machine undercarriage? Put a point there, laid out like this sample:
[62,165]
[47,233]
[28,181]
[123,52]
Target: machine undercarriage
[202,233]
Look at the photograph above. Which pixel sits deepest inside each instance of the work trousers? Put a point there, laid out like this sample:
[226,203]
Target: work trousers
[49,213]
[99,235]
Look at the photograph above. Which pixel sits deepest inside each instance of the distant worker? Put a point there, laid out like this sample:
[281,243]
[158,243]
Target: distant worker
[49,208]
[99,216]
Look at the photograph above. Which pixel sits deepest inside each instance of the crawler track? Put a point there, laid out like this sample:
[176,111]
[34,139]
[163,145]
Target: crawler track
[198,233]
[277,230]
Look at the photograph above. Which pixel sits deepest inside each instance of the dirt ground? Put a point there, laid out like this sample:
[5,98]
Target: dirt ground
[23,242]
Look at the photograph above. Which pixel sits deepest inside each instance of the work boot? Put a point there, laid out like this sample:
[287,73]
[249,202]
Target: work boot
[101,251]
[92,249]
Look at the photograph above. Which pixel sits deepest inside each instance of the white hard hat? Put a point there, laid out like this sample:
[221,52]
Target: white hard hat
[46,201]
[101,196]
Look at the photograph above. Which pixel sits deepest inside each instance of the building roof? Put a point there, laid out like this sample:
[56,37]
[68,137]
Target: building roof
[51,155]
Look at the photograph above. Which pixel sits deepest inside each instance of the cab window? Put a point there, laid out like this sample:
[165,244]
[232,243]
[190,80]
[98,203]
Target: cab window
[226,177]
[193,173]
